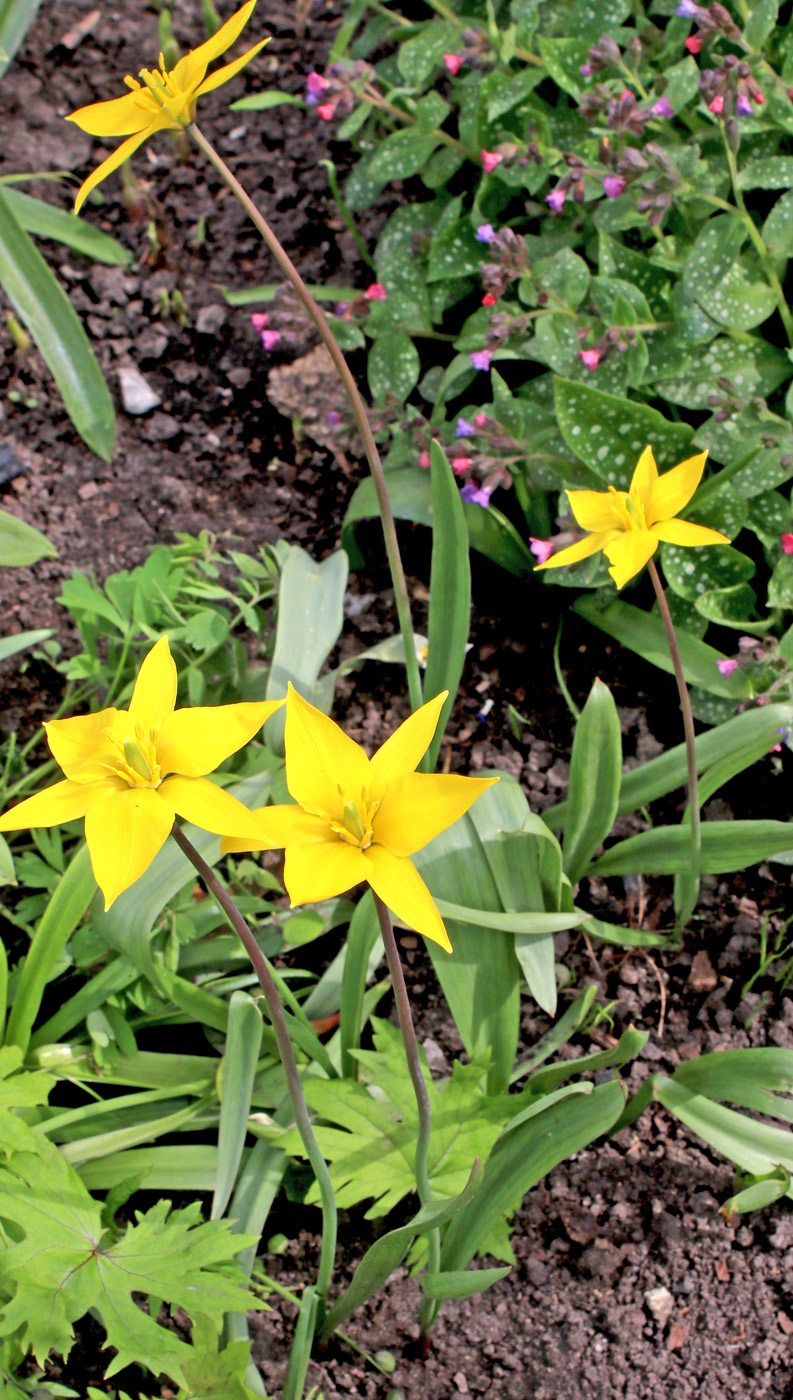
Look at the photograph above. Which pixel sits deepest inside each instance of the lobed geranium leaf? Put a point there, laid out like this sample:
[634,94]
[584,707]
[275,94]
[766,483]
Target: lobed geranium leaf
[65,1263]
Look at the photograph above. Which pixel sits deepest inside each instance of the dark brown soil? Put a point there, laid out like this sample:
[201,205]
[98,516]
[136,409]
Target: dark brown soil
[623,1217]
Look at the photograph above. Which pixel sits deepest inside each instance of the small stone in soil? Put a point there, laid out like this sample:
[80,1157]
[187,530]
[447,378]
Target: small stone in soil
[660,1303]
[10,465]
[210,319]
[137,395]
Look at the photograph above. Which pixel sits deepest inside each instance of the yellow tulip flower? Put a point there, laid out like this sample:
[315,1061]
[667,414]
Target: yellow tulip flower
[129,772]
[164,100]
[629,525]
[360,819]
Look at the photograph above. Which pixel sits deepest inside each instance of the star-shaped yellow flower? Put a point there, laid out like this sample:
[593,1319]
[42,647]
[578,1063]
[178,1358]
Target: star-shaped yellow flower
[629,525]
[129,772]
[357,818]
[163,100]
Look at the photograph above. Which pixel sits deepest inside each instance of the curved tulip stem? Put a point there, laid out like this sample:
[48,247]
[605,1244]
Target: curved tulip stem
[428,1308]
[356,403]
[688,729]
[291,1073]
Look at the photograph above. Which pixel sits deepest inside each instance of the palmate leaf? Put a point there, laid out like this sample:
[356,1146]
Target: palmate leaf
[66,1263]
[18,1091]
[371,1149]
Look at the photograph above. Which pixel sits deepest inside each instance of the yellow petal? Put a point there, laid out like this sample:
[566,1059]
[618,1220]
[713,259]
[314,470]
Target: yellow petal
[320,758]
[685,532]
[79,744]
[193,742]
[644,478]
[124,151]
[224,75]
[594,510]
[61,803]
[206,805]
[404,749]
[419,805]
[581,550]
[154,695]
[280,826]
[322,870]
[674,489]
[399,885]
[629,553]
[124,834]
[190,70]
[121,116]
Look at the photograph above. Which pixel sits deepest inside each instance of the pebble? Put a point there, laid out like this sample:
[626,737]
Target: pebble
[210,319]
[660,1303]
[137,395]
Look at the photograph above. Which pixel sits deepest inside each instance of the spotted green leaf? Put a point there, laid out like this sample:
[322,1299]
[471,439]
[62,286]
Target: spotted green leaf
[609,433]
[715,278]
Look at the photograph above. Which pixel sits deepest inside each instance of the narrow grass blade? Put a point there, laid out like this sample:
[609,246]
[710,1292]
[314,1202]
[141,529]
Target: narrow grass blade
[243,1042]
[450,594]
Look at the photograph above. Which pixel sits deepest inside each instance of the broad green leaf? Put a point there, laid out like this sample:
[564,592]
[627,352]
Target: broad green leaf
[241,1057]
[751,365]
[369,1141]
[387,1252]
[595,773]
[760,1079]
[726,846]
[310,619]
[767,173]
[644,633]
[609,433]
[393,366]
[761,22]
[777,230]
[526,1153]
[20,544]
[715,277]
[419,56]
[57,1269]
[450,593]
[401,155]
[563,59]
[44,308]
[692,572]
[19,1089]
[48,221]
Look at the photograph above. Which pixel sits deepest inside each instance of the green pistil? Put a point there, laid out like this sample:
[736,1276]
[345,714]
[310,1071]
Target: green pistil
[352,821]
[136,761]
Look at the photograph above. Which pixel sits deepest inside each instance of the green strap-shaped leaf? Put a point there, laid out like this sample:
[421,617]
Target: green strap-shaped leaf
[726,847]
[62,915]
[387,1253]
[361,938]
[20,544]
[310,619]
[524,1153]
[595,773]
[43,306]
[48,221]
[644,633]
[450,593]
[239,1068]
[410,492]
[16,17]
[9,646]
[463,1283]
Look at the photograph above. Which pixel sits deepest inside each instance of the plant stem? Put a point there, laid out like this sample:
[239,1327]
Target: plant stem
[688,726]
[288,1061]
[426,1314]
[356,403]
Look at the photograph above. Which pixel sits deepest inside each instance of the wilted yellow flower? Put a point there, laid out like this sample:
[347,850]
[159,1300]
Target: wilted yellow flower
[129,772]
[357,818]
[163,100]
[629,525]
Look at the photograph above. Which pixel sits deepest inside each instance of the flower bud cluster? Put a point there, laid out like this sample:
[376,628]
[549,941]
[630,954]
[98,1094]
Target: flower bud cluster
[730,91]
[710,22]
[474,53]
[509,260]
[335,92]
